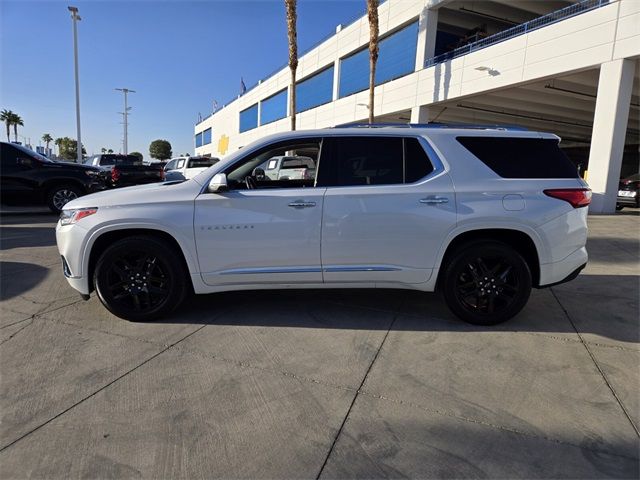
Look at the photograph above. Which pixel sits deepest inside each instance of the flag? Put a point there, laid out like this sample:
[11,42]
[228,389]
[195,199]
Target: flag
[243,87]
[215,106]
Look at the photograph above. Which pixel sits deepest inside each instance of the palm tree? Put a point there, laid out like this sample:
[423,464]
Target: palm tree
[6,116]
[47,138]
[15,121]
[110,150]
[292,18]
[103,150]
[58,142]
[372,13]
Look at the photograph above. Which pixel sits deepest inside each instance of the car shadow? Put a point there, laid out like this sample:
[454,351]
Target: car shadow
[16,218]
[556,310]
[25,237]
[17,278]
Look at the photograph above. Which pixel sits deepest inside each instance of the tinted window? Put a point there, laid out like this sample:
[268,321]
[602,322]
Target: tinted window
[396,58]
[249,118]
[120,160]
[315,90]
[365,161]
[416,162]
[201,162]
[198,139]
[273,108]
[512,157]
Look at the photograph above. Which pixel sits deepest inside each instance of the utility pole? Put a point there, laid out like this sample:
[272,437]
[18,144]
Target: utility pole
[76,18]
[125,114]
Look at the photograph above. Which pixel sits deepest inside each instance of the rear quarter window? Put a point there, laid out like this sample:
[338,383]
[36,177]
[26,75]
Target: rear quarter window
[513,157]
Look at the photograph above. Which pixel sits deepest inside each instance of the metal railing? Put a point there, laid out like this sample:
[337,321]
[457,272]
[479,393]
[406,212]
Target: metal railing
[535,24]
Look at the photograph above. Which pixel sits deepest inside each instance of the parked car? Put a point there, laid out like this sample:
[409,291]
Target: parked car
[629,192]
[184,168]
[28,178]
[288,167]
[482,214]
[125,170]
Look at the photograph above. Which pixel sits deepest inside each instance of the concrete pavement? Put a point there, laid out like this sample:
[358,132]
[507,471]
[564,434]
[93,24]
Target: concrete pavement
[330,384]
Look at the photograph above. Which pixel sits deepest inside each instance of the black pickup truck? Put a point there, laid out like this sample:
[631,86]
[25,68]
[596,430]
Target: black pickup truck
[125,170]
[28,178]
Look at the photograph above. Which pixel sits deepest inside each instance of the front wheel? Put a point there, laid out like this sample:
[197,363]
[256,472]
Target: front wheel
[486,283]
[140,278]
[60,195]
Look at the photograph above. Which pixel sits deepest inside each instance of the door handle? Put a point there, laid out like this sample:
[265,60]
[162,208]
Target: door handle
[302,204]
[432,199]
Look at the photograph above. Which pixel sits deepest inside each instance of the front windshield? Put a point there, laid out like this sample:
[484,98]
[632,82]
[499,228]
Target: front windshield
[42,158]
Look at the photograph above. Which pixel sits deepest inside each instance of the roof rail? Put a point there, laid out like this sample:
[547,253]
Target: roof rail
[432,125]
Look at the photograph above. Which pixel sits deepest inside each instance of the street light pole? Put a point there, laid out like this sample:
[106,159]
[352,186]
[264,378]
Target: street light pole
[75,17]
[125,114]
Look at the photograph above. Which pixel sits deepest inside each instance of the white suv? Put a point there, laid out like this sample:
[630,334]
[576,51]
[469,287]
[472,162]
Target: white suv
[481,213]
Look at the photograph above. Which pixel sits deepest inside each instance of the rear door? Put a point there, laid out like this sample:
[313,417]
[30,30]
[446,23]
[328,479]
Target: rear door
[387,209]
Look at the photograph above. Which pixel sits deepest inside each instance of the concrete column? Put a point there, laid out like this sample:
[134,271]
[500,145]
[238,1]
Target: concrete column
[609,133]
[427,29]
[420,114]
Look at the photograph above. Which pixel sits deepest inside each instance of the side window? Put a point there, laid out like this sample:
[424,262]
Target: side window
[169,166]
[258,169]
[365,161]
[416,162]
[8,157]
[180,163]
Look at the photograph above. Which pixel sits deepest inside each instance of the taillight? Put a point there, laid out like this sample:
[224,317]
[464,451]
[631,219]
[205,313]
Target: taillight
[577,197]
[115,174]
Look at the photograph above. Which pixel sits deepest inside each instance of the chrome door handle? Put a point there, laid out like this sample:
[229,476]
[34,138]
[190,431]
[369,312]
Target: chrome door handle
[434,199]
[302,204]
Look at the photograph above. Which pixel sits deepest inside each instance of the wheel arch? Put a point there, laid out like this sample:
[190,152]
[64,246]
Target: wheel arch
[49,184]
[520,241]
[105,238]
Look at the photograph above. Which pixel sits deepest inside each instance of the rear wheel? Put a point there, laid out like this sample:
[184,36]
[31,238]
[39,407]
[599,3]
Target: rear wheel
[140,278]
[486,283]
[59,195]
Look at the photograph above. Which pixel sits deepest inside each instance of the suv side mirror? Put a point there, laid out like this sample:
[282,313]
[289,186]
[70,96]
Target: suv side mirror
[218,183]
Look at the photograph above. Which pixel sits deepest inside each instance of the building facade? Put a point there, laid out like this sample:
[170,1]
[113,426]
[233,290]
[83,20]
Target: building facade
[567,67]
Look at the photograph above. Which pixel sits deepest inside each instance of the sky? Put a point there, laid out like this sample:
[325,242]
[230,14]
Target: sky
[179,56]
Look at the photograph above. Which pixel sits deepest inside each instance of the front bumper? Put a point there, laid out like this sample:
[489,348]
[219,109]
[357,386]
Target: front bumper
[71,245]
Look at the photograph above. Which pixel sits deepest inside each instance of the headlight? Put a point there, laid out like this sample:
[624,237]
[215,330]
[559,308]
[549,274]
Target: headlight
[69,217]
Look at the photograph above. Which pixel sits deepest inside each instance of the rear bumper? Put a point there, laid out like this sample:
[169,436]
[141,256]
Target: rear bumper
[564,270]
[628,201]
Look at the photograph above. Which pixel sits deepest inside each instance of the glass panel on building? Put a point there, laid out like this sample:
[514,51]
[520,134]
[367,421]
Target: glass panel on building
[198,139]
[273,108]
[249,118]
[396,58]
[315,90]
[206,137]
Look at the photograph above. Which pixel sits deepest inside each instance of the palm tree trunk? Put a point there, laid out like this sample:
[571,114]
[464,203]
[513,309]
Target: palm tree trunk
[292,18]
[372,14]
[15,132]
[8,125]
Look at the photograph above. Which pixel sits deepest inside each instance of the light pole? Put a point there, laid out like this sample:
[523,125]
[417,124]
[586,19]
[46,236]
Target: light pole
[125,114]
[75,17]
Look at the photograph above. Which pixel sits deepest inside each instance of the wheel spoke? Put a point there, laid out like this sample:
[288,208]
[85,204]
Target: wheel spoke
[157,290]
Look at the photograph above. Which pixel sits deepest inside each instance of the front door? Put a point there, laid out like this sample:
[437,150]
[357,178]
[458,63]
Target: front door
[262,231]
[387,209]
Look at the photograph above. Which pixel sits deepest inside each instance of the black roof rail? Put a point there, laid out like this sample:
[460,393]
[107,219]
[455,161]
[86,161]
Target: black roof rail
[432,125]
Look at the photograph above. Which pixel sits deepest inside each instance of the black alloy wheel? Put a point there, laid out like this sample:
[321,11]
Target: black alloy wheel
[140,278]
[486,283]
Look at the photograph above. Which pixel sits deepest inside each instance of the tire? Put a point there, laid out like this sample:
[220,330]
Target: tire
[486,283]
[59,195]
[140,278]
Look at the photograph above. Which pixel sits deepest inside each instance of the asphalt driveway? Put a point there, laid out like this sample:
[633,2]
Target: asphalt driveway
[308,384]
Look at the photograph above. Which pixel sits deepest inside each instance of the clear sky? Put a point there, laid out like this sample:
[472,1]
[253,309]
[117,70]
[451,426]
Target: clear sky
[178,55]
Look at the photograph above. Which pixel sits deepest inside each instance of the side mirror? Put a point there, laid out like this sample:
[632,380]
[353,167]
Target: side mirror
[218,183]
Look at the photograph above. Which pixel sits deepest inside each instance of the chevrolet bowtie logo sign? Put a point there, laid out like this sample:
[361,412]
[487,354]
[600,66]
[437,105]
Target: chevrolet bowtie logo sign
[223,144]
